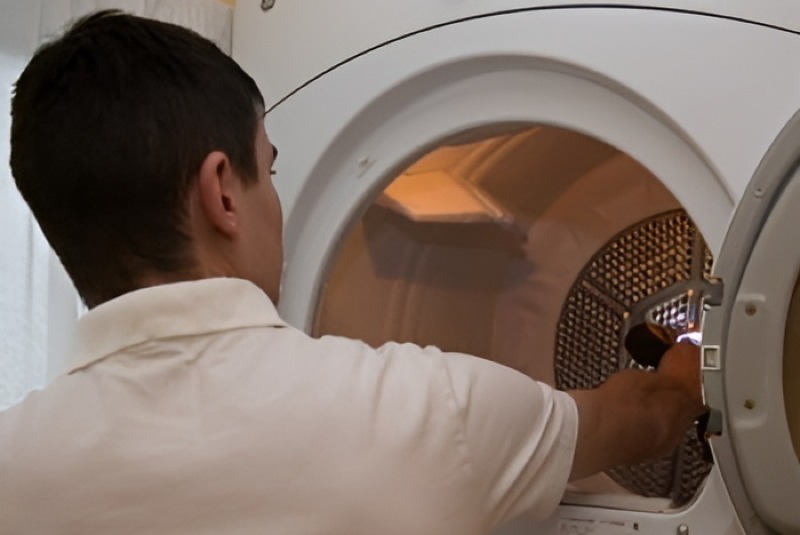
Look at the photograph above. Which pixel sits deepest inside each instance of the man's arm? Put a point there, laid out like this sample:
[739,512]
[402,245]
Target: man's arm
[636,415]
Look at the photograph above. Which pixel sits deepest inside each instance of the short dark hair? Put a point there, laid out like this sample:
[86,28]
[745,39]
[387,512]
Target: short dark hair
[110,124]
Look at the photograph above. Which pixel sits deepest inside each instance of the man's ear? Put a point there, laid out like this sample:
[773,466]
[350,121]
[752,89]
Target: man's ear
[216,189]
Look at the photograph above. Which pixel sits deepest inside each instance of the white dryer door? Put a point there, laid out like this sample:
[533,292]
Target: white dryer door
[752,345]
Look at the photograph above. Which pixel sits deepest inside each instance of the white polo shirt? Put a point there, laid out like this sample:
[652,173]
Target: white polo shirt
[193,409]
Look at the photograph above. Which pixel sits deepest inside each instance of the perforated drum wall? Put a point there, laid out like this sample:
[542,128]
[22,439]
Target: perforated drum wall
[652,271]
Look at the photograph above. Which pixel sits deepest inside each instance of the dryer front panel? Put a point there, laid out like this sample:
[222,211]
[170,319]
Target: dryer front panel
[303,39]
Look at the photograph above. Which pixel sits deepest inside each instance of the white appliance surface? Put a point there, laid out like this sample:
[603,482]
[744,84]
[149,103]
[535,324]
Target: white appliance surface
[340,30]
[697,95]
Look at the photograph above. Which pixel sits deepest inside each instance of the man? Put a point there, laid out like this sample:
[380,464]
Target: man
[190,406]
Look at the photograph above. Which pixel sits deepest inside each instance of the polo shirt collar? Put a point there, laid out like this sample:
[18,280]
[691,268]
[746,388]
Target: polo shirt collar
[168,311]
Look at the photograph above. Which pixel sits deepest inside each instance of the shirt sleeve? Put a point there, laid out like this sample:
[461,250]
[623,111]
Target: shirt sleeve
[520,436]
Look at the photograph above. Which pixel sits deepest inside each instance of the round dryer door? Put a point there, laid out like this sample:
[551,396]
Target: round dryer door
[752,345]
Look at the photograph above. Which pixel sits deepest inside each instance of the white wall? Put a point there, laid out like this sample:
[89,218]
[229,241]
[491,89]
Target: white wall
[211,18]
[38,305]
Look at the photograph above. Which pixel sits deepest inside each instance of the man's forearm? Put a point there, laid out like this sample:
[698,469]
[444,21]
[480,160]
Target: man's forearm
[636,415]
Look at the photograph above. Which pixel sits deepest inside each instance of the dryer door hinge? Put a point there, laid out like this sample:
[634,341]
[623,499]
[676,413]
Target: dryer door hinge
[713,292]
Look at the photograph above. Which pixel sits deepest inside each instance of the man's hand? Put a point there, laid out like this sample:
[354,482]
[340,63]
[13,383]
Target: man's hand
[636,415]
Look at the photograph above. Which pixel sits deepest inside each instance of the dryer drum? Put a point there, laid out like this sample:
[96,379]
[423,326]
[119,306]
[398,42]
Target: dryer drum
[536,249]
[653,271]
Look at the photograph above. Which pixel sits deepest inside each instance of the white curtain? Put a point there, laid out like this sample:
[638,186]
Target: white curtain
[23,274]
[38,306]
[24,255]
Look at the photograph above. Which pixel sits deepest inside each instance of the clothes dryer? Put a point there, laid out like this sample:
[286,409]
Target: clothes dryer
[523,181]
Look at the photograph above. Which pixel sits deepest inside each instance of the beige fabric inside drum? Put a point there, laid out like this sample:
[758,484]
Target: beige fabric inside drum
[791,369]
[481,285]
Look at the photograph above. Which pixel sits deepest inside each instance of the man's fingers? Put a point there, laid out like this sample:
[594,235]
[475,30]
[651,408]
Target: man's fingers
[682,363]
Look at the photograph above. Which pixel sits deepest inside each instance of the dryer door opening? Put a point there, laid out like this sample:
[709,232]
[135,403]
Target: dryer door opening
[536,249]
